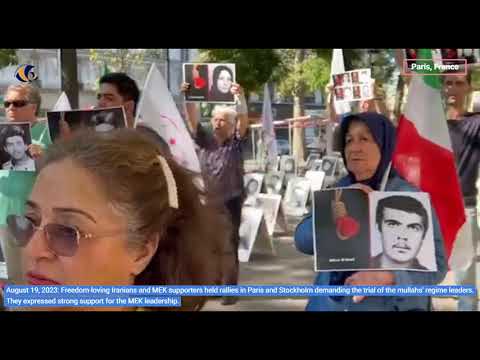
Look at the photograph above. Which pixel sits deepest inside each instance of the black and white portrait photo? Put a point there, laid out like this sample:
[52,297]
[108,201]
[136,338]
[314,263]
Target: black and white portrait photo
[15,139]
[329,164]
[402,234]
[296,196]
[274,182]
[253,183]
[312,157]
[62,123]
[316,165]
[287,164]
[250,223]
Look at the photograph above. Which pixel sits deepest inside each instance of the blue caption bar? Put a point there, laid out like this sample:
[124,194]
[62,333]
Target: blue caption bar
[13,291]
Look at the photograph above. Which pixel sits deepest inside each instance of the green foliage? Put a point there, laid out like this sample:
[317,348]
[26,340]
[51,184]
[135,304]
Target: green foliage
[117,59]
[313,72]
[7,57]
[254,67]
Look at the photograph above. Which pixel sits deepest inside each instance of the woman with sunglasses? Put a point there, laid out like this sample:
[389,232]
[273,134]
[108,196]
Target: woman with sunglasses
[109,209]
[22,104]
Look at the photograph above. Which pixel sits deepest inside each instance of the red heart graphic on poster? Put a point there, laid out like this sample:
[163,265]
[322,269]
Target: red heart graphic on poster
[347,226]
[199,83]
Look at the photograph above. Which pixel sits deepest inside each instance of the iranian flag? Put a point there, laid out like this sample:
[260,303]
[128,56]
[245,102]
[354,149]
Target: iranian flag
[423,154]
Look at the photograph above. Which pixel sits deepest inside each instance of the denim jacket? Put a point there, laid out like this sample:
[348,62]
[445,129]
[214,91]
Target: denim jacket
[304,243]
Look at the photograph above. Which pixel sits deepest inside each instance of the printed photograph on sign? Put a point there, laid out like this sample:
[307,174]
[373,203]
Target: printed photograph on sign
[338,80]
[296,196]
[221,77]
[355,77]
[209,82]
[274,182]
[15,138]
[287,164]
[329,164]
[316,165]
[197,76]
[339,93]
[402,231]
[310,160]
[341,230]
[250,223]
[253,185]
[62,123]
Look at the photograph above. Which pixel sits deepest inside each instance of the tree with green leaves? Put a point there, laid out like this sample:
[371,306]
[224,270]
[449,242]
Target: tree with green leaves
[254,67]
[301,71]
[8,57]
[118,60]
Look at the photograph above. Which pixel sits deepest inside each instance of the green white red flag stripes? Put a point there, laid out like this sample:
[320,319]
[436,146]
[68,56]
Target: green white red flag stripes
[424,156]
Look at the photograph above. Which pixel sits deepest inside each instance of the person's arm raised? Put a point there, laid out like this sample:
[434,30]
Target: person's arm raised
[242,110]
[192,112]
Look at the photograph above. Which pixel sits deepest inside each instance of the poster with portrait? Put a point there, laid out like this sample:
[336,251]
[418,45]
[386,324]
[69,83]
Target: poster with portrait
[310,159]
[341,230]
[62,123]
[269,204]
[355,85]
[288,165]
[253,185]
[296,196]
[402,231]
[274,182]
[209,82]
[15,138]
[254,237]
[329,165]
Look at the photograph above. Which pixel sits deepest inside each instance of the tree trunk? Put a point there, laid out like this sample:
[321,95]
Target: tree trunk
[299,110]
[399,99]
[69,75]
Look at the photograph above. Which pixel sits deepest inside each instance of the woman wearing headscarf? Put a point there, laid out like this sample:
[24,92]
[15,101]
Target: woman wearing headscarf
[368,142]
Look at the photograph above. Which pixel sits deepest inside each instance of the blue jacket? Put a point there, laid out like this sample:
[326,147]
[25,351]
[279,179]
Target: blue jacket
[304,243]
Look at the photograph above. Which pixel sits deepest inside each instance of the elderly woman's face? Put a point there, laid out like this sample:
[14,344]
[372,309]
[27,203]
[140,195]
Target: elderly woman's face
[67,194]
[224,81]
[221,126]
[361,151]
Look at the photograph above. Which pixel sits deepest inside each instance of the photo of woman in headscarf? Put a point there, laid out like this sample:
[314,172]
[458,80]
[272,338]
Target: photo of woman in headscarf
[222,79]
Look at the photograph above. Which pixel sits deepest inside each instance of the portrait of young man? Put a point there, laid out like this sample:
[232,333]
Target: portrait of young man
[403,223]
[15,139]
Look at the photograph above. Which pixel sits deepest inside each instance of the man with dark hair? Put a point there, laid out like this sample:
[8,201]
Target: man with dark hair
[118,89]
[402,222]
[14,143]
[464,132]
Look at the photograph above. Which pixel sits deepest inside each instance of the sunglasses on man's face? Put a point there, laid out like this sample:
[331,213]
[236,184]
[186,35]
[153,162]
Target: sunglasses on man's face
[61,239]
[15,103]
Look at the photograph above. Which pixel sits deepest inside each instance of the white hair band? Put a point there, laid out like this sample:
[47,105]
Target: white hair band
[171,184]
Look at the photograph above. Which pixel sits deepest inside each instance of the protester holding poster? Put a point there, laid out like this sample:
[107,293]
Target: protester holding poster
[221,162]
[22,104]
[114,211]
[118,89]
[368,140]
[464,132]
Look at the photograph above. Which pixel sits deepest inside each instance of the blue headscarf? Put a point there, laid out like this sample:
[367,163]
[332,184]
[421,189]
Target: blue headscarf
[383,133]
